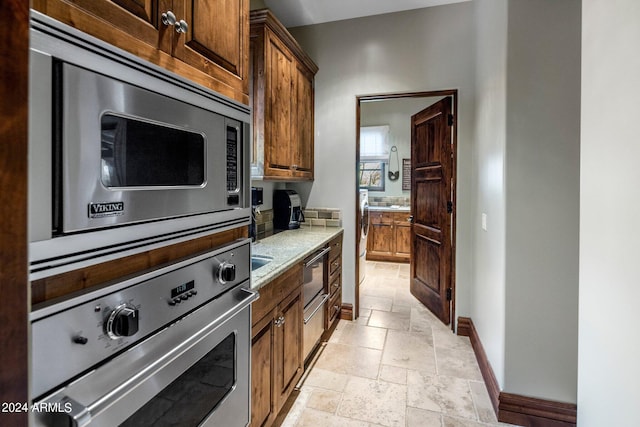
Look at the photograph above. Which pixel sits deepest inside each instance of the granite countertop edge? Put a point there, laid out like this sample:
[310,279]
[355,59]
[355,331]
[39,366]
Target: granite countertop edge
[389,209]
[287,249]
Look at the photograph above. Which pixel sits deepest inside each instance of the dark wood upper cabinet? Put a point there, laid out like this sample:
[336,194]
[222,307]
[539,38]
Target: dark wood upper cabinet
[282,101]
[212,49]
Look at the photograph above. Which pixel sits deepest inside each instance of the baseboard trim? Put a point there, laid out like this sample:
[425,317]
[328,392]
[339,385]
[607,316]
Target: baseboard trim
[346,312]
[466,328]
[529,411]
[514,408]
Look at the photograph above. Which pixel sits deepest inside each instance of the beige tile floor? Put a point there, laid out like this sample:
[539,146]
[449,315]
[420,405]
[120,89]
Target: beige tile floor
[397,365]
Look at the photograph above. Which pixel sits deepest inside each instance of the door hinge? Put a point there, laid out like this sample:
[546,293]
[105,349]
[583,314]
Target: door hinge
[449,206]
[450,119]
[448,294]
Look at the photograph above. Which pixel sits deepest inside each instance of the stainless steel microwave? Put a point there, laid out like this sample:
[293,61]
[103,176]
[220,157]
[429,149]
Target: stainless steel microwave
[124,153]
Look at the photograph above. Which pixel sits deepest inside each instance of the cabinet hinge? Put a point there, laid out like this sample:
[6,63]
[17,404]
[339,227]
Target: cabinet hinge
[448,294]
[449,206]
[450,119]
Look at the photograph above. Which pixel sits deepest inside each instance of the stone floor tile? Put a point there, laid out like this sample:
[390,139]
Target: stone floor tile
[373,401]
[393,374]
[480,396]
[376,303]
[390,320]
[350,360]
[363,336]
[329,380]
[409,350]
[324,400]
[313,418]
[421,418]
[448,395]
[457,363]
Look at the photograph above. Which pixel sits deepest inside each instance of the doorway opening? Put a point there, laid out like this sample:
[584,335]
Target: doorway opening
[404,178]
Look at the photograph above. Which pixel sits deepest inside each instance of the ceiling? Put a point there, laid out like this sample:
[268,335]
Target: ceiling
[293,13]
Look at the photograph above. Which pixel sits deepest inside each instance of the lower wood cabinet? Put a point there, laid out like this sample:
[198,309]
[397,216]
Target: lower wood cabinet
[276,360]
[389,236]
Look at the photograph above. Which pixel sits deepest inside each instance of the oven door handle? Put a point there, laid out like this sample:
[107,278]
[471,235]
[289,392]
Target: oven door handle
[78,414]
[317,257]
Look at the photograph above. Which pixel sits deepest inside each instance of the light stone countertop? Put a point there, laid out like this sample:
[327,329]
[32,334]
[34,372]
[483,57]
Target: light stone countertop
[288,248]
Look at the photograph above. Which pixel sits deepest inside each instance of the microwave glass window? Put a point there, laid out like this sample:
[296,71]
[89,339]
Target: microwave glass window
[136,153]
[191,397]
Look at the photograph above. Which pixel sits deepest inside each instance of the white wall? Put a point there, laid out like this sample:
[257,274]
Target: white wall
[542,195]
[397,114]
[488,291]
[609,352]
[419,50]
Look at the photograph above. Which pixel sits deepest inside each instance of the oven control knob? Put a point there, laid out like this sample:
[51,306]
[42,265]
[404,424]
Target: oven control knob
[226,272]
[122,322]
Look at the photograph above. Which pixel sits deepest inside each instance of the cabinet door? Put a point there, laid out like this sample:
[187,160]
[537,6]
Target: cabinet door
[263,409]
[278,114]
[302,125]
[217,39]
[380,233]
[288,338]
[132,25]
[402,238]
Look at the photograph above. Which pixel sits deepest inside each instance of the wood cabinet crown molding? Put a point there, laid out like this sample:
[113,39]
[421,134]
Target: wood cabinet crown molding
[264,17]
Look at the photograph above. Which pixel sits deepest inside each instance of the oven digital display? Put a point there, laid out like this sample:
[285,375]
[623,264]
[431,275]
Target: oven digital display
[182,288]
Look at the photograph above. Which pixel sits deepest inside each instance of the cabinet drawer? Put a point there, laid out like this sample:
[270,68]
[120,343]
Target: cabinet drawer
[274,292]
[335,303]
[335,265]
[334,284]
[380,217]
[336,248]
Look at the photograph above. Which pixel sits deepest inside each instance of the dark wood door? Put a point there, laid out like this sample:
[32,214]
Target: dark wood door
[432,204]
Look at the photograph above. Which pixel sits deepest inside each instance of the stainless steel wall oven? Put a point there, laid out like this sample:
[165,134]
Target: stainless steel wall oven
[125,152]
[169,346]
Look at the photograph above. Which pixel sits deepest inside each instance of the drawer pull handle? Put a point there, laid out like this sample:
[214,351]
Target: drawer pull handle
[280,321]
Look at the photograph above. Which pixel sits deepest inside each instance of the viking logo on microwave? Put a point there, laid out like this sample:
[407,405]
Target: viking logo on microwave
[101,210]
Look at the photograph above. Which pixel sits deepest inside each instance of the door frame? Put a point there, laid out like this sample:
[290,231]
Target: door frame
[453,93]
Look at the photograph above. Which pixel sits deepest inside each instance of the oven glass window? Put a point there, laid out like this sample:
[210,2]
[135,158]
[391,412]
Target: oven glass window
[136,153]
[189,399]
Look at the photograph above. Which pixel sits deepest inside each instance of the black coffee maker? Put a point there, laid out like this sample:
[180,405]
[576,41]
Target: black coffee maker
[287,212]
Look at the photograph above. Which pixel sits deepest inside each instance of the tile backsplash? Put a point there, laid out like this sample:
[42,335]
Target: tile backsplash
[322,217]
[314,217]
[389,201]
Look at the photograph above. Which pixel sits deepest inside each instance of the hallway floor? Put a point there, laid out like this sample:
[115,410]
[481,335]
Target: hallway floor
[397,365]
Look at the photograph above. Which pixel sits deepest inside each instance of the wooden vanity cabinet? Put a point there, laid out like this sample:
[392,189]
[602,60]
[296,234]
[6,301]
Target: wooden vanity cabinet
[389,236]
[334,273]
[282,100]
[211,50]
[276,360]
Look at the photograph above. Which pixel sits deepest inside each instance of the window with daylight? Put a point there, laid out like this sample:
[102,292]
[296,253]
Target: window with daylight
[372,176]
[374,142]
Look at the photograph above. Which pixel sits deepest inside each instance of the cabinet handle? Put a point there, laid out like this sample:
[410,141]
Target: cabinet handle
[168,18]
[294,167]
[280,321]
[181,26]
